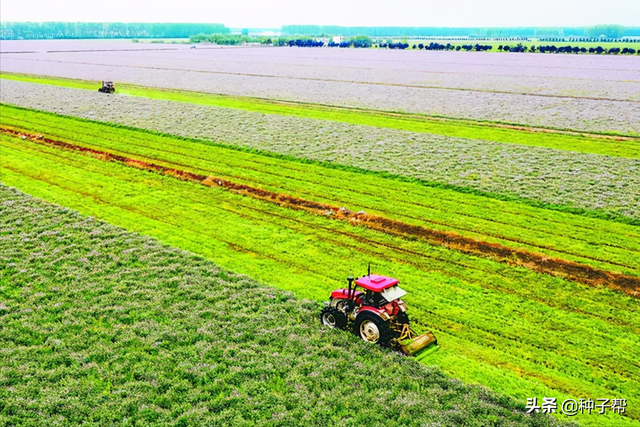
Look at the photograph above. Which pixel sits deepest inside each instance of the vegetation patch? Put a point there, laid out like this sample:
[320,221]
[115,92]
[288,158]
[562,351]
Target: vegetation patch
[600,244]
[147,334]
[592,185]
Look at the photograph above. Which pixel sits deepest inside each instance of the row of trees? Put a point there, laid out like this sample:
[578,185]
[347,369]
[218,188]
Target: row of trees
[584,40]
[357,41]
[398,45]
[434,46]
[93,30]
[569,49]
[76,30]
[306,43]
[222,39]
[609,31]
[366,42]
[237,39]
[391,45]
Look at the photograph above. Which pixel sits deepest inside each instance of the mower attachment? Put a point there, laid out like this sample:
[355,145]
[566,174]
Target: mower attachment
[410,343]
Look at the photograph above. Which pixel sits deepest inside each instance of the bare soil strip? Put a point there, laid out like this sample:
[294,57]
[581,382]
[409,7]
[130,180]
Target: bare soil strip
[536,262]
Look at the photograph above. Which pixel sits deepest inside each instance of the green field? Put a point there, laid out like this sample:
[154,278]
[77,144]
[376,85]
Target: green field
[516,331]
[124,331]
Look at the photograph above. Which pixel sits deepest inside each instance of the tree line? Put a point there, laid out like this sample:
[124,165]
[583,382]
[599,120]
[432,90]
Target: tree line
[80,30]
[94,30]
[609,31]
[569,49]
[362,41]
[237,39]
[222,39]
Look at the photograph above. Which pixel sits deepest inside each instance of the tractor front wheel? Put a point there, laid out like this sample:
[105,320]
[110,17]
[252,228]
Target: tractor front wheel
[333,318]
[373,329]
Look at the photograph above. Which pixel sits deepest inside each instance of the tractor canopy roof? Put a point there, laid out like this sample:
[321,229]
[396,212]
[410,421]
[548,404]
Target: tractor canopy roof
[376,283]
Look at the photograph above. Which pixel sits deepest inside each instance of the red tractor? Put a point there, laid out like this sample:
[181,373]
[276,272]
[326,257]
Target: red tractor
[376,314]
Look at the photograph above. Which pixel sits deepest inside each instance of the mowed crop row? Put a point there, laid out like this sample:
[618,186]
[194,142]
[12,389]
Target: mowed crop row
[582,142]
[600,244]
[536,262]
[509,328]
[589,184]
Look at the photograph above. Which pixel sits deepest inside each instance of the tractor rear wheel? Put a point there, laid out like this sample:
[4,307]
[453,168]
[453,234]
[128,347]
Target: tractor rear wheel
[371,328]
[333,318]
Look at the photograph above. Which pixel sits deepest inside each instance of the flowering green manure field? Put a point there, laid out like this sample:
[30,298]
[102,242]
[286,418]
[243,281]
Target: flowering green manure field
[529,301]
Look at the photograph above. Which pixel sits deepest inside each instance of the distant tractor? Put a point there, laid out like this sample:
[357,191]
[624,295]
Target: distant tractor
[107,87]
[376,314]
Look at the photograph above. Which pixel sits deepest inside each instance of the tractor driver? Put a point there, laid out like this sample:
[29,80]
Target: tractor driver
[374,299]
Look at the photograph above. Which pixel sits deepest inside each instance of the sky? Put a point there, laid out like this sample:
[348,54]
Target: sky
[274,13]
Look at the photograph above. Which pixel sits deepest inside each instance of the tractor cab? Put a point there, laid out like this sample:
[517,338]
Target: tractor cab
[373,307]
[380,290]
